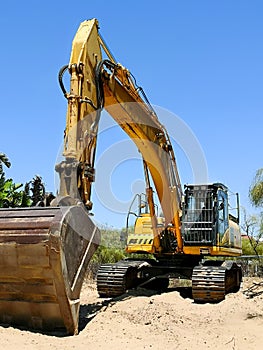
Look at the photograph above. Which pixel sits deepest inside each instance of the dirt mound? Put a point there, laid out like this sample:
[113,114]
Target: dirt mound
[145,320]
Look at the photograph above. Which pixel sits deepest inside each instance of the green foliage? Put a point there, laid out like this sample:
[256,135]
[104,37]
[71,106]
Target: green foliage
[10,197]
[10,193]
[14,195]
[252,225]
[110,249]
[38,190]
[105,255]
[247,247]
[256,189]
[260,249]
[26,199]
[3,160]
[110,237]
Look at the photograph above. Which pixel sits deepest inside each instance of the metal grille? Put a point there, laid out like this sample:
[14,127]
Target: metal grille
[198,218]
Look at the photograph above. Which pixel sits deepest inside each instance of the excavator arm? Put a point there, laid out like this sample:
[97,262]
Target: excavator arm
[83,113]
[97,84]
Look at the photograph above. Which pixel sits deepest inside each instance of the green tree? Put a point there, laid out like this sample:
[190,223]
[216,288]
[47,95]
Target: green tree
[8,190]
[26,198]
[4,161]
[15,195]
[10,197]
[38,190]
[256,189]
[252,225]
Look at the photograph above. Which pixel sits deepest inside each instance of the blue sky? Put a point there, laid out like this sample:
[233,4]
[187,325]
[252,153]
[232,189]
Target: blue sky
[201,60]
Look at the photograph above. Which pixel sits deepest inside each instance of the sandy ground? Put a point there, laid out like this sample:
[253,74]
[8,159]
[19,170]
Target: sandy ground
[144,320]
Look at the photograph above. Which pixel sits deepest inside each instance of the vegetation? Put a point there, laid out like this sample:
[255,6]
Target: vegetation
[256,189]
[13,194]
[252,225]
[111,248]
[248,247]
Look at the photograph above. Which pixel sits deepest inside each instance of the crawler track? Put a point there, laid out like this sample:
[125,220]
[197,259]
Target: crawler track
[115,279]
[211,283]
[208,283]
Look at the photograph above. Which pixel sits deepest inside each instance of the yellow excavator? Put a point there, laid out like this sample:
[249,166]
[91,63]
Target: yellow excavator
[44,251]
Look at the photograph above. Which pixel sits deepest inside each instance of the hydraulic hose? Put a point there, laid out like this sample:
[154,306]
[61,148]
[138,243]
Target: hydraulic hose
[60,79]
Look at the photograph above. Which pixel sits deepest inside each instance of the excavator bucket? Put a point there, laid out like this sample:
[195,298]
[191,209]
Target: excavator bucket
[44,253]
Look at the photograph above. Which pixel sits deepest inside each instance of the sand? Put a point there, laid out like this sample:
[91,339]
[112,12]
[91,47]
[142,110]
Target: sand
[147,320]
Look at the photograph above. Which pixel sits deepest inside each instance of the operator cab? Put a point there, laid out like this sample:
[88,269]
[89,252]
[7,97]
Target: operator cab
[208,219]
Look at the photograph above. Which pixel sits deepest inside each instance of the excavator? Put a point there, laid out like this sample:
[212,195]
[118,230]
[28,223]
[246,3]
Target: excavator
[45,251]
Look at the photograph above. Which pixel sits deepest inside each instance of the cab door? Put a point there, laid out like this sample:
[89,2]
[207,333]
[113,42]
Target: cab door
[222,221]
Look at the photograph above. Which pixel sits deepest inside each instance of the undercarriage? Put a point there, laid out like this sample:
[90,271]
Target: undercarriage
[211,280]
